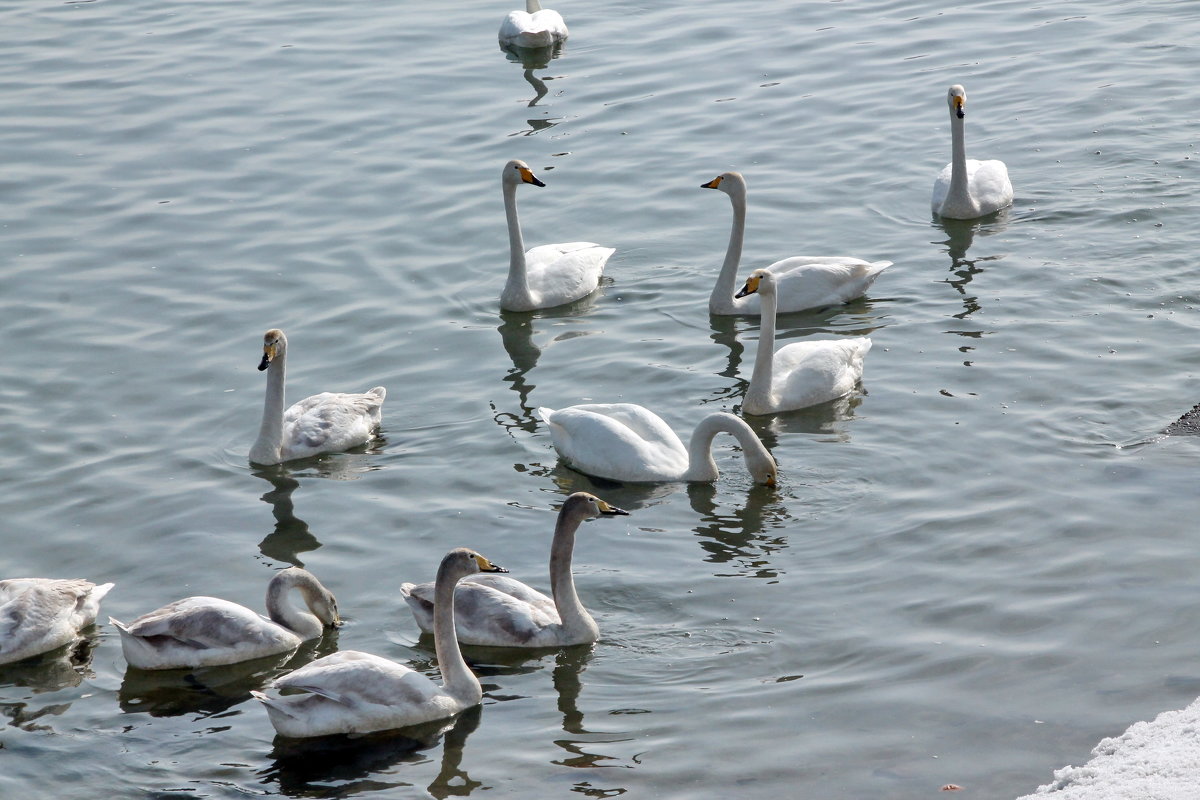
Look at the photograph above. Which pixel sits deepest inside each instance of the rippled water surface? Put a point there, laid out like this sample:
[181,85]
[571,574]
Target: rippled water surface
[971,571]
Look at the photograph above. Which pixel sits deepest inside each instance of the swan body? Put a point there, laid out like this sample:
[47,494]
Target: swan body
[551,274]
[353,692]
[533,27]
[966,188]
[800,374]
[498,611]
[329,422]
[208,631]
[803,281]
[38,615]
[627,442]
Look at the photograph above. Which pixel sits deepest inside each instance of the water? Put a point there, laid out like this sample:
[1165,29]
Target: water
[971,571]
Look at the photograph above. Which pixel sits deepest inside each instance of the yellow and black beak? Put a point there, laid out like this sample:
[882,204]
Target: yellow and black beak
[268,356]
[960,106]
[527,176]
[751,286]
[487,566]
[715,183]
[610,511]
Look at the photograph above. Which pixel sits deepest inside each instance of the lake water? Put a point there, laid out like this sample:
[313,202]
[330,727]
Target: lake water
[971,571]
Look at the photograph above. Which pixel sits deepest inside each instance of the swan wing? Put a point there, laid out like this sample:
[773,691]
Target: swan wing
[331,422]
[563,273]
[808,373]
[489,610]
[539,29]
[41,614]
[203,623]
[990,185]
[804,282]
[620,441]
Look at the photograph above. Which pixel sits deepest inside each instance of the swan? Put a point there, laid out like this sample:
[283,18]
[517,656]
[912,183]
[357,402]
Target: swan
[551,274]
[804,281]
[208,631]
[38,615]
[498,611]
[323,423]
[966,188]
[628,442]
[533,27]
[800,374]
[354,692]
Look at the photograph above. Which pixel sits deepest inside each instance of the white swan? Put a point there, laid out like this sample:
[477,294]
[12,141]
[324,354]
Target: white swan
[323,423]
[38,615]
[551,274]
[803,281]
[966,188]
[208,631]
[498,611]
[800,374]
[533,27]
[628,442]
[353,692]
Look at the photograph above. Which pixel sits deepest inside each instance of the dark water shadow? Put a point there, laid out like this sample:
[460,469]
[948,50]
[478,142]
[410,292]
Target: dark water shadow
[534,58]
[354,766]
[61,668]
[211,690]
[738,536]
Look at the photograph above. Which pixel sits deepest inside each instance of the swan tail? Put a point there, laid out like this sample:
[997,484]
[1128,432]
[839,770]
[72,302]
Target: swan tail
[116,623]
[271,703]
[379,392]
[545,413]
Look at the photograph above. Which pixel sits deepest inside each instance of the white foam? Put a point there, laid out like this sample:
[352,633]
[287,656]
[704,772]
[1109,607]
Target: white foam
[1158,760]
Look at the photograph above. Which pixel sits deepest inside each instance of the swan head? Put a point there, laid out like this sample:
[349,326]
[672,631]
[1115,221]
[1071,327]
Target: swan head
[760,281]
[320,601]
[461,562]
[274,345]
[518,172]
[956,98]
[585,505]
[731,183]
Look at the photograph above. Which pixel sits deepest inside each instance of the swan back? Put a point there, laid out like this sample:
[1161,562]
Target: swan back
[533,27]
[618,441]
[38,615]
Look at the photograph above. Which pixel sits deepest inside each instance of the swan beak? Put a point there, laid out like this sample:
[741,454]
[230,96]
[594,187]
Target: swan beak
[487,566]
[715,183]
[960,105]
[528,177]
[751,286]
[268,356]
[770,481]
[610,511]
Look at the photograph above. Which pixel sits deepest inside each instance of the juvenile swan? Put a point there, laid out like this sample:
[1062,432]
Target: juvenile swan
[966,188]
[801,374]
[498,611]
[551,274]
[803,281]
[323,423]
[627,442]
[353,692]
[533,27]
[38,615]
[208,631]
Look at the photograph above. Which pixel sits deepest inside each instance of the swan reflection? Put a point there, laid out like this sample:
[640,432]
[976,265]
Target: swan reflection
[532,58]
[291,535]
[738,535]
[63,668]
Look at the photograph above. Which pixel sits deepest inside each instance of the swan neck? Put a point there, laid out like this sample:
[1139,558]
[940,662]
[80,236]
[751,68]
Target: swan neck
[722,293]
[701,464]
[532,6]
[267,448]
[517,282]
[575,618]
[761,377]
[283,612]
[457,679]
[958,157]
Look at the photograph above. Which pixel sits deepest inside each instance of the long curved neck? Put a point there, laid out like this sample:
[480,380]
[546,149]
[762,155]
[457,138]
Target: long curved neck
[266,449]
[575,618]
[958,159]
[282,611]
[722,294]
[517,282]
[457,679]
[701,465]
[761,378]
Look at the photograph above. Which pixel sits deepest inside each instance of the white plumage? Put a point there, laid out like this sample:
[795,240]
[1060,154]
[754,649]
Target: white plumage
[533,27]
[329,422]
[208,631]
[353,692]
[800,374]
[803,281]
[551,274]
[38,615]
[628,442]
[966,188]
[499,611]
